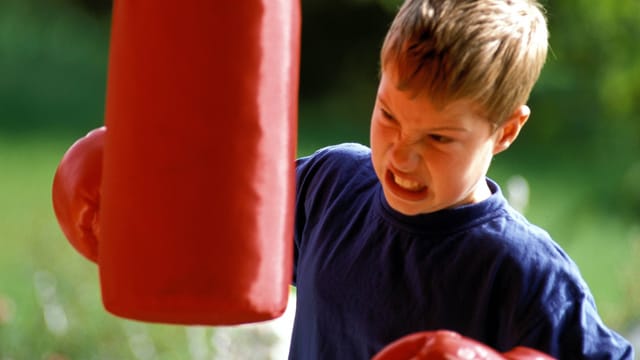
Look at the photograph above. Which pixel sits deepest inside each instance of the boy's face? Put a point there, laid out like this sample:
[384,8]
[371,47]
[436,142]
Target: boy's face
[426,158]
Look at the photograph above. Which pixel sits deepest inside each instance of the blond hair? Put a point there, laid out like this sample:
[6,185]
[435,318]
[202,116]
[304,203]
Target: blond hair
[488,51]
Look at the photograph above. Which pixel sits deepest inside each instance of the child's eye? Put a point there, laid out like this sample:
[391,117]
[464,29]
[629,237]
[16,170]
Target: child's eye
[440,139]
[386,115]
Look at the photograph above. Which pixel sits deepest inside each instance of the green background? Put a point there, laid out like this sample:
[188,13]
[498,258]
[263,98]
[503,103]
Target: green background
[579,155]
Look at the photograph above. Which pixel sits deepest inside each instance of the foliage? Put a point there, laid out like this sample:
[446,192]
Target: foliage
[595,67]
[53,62]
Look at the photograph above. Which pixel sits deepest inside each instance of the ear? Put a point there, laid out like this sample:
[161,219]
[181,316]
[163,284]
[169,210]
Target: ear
[508,131]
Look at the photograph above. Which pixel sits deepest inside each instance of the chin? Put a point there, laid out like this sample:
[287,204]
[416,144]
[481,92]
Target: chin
[407,209]
[411,213]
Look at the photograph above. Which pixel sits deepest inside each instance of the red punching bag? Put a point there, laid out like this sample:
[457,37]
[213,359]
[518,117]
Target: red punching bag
[198,178]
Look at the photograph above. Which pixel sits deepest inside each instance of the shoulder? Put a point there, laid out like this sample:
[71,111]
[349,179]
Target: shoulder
[334,177]
[525,243]
[342,154]
[553,307]
[335,164]
[530,271]
[531,257]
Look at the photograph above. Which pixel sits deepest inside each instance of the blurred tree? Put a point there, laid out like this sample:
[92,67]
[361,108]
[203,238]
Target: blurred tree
[595,68]
[587,96]
[96,7]
[52,67]
[340,44]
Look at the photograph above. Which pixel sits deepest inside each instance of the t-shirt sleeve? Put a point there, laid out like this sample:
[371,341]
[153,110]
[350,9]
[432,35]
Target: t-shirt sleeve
[302,178]
[564,322]
[317,177]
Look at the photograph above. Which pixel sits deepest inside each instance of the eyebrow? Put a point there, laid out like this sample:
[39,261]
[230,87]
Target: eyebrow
[449,128]
[441,128]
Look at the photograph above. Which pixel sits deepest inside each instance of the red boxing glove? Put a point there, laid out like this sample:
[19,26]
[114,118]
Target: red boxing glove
[524,353]
[448,345]
[76,192]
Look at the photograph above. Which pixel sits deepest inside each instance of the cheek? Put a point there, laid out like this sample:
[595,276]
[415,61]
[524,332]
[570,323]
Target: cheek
[483,160]
[455,166]
[374,128]
[474,168]
[378,144]
[377,138]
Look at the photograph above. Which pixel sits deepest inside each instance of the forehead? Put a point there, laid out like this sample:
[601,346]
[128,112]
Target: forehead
[416,100]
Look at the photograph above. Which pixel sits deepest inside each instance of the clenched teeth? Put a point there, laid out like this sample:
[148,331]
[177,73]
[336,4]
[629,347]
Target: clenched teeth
[407,184]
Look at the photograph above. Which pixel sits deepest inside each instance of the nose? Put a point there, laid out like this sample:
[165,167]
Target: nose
[405,157]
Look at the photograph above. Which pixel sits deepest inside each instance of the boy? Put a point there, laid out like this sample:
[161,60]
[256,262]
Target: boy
[410,235]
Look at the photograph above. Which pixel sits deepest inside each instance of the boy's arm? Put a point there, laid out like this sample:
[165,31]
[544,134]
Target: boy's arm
[316,176]
[302,165]
[580,333]
[566,324]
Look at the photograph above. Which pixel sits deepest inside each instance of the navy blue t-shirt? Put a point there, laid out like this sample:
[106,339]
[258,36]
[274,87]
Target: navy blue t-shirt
[367,275]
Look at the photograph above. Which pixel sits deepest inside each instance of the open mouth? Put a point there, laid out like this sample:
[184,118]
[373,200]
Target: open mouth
[406,188]
[406,184]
